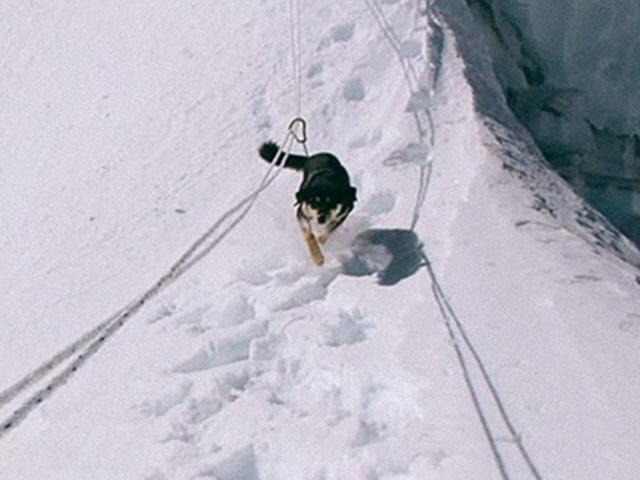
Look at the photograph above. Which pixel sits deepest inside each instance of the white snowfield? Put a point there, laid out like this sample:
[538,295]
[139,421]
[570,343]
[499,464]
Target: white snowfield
[498,339]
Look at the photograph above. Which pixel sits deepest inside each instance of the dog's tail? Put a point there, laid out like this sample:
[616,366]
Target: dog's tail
[269,150]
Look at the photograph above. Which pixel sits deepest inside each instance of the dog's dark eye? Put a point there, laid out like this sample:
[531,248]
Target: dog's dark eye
[317,199]
[327,199]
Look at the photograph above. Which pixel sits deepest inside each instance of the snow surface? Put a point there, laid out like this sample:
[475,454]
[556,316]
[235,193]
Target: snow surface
[497,339]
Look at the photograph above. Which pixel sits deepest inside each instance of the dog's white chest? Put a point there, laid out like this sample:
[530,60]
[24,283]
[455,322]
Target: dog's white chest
[322,224]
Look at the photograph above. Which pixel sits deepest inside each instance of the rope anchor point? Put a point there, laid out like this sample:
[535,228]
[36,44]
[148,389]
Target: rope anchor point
[298,128]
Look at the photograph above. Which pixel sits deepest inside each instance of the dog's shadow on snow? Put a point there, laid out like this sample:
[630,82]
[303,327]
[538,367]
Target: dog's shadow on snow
[391,254]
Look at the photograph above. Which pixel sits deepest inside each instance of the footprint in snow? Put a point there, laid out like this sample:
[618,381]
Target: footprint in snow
[411,154]
[216,395]
[314,74]
[419,101]
[241,465]
[379,203]
[315,70]
[315,289]
[343,32]
[165,311]
[173,397]
[631,325]
[224,351]
[192,320]
[353,90]
[202,401]
[199,409]
[410,48]
[348,330]
[368,433]
[238,310]
[369,138]
[260,274]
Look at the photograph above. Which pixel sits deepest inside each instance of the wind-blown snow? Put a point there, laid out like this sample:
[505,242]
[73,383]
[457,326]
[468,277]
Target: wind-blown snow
[496,339]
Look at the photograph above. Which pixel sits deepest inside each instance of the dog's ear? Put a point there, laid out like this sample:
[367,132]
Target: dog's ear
[301,196]
[306,194]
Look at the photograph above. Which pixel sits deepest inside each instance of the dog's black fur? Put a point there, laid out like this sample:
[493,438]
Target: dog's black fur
[325,189]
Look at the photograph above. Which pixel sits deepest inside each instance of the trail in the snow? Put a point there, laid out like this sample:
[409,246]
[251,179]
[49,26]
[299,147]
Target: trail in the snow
[95,338]
[421,96]
[421,93]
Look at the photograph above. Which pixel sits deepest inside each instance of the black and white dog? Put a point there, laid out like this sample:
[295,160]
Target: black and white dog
[325,196]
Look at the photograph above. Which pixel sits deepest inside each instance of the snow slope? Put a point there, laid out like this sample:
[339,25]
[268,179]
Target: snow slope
[498,339]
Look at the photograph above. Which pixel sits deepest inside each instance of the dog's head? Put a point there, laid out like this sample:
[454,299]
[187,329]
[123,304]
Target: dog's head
[323,199]
[325,208]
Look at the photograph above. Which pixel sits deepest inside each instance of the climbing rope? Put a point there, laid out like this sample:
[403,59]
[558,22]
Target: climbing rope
[423,119]
[454,324]
[182,265]
[457,333]
[295,27]
[10,393]
[298,128]
[91,341]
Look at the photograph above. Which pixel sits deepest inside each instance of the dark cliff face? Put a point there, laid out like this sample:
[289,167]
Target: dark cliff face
[513,95]
[599,159]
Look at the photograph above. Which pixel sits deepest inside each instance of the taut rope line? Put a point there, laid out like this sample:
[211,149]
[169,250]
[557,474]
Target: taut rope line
[248,201]
[447,313]
[10,393]
[453,323]
[295,19]
[93,340]
[426,134]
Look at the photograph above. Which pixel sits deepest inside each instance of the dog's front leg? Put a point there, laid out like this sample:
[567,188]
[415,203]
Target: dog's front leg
[312,245]
[310,240]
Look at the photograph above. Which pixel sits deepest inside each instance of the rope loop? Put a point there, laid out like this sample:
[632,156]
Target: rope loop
[298,130]
[301,124]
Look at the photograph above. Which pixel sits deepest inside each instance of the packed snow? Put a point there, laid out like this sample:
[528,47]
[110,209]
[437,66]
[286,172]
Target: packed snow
[163,320]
